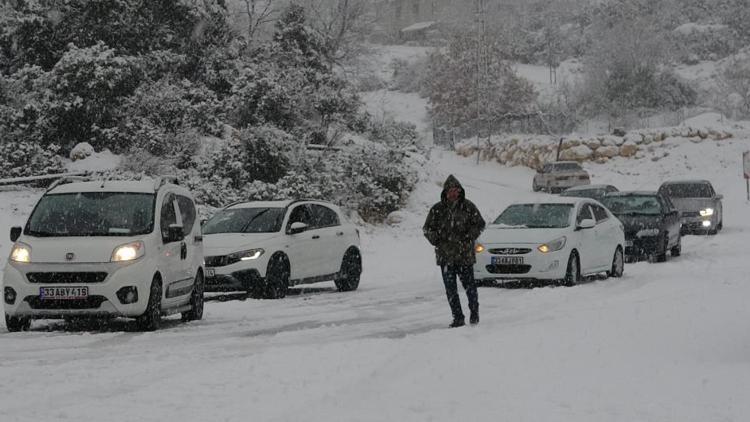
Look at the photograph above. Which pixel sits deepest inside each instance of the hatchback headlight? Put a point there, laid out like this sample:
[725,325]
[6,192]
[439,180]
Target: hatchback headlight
[707,212]
[247,255]
[128,252]
[647,232]
[553,246]
[21,253]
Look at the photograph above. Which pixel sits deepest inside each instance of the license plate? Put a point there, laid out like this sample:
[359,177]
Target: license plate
[63,293]
[507,260]
[629,243]
[210,272]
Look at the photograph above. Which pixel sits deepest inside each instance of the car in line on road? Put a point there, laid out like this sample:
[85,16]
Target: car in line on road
[560,240]
[652,224]
[263,248]
[596,192]
[560,175]
[106,249]
[701,208]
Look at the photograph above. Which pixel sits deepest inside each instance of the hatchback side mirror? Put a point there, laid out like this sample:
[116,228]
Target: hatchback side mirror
[588,223]
[297,228]
[175,233]
[15,233]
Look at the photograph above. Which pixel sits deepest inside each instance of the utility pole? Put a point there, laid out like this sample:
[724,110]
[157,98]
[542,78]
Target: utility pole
[481,67]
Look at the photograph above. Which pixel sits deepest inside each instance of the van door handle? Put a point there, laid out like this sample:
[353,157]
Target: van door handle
[316,237]
[183,251]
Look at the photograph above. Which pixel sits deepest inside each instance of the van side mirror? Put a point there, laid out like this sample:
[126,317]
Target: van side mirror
[15,233]
[588,223]
[297,228]
[175,233]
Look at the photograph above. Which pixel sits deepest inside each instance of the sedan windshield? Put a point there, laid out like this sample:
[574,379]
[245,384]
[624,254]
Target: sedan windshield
[246,220]
[535,216]
[688,190]
[644,205]
[93,214]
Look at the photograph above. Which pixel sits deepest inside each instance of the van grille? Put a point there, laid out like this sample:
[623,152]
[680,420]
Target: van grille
[91,302]
[66,278]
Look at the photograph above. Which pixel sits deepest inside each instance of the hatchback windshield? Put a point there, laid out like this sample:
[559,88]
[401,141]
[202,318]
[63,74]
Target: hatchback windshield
[93,214]
[246,220]
[687,190]
[535,216]
[646,205]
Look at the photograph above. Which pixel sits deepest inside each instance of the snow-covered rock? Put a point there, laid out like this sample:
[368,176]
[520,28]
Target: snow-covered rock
[81,151]
[578,153]
[628,149]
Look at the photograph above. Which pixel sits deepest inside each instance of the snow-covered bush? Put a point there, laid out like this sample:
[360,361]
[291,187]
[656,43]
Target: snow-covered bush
[411,76]
[26,158]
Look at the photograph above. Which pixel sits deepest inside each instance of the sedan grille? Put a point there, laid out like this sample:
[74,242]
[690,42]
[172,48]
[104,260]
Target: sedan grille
[691,214]
[66,278]
[509,251]
[508,269]
[218,261]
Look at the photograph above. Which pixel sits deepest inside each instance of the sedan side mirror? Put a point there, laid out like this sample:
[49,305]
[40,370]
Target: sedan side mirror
[587,224]
[175,233]
[297,228]
[15,233]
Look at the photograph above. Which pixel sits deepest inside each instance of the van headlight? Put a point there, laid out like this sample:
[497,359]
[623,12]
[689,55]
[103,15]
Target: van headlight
[647,233]
[21,252]
[128,252]
[553,246]
[247,255]
[706,212]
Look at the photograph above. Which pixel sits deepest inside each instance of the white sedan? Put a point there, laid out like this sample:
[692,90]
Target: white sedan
[562,240]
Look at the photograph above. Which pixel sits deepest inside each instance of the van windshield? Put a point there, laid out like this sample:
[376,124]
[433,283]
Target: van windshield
[92,214]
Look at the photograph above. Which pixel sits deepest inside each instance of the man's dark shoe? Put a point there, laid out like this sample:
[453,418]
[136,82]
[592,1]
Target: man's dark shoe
[474,319]
[457,323]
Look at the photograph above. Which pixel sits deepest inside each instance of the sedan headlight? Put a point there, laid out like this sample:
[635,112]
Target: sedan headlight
[647,232]
[128,252]
[21,253]
[707,212]
[479,248]
[553,246]
[247,255]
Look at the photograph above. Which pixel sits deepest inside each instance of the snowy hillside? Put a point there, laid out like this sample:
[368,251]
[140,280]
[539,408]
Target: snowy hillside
[666,342]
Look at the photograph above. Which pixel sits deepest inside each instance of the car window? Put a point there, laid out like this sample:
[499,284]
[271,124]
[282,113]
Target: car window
[584,214]
[323,216]
[300,214]
[187,212]
[600,213]
[535,216]
[611,189]
[567,167]
[633,204]
[687,190]
[168,215]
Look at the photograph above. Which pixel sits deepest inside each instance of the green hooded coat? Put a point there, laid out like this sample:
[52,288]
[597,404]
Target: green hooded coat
[453,228]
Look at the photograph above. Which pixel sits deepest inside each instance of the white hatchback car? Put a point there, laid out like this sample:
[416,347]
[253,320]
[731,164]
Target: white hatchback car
[262,248]
[561,240]
[106,249]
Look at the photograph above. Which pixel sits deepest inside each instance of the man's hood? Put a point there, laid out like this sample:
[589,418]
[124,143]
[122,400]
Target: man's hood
[452,182]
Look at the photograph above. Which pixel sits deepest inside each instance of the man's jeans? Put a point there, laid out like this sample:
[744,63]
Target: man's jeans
[466,274]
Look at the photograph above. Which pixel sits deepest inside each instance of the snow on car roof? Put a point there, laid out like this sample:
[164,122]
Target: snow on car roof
[586,187]
[556,200]
[261,204]
[105,186]
[634,193]
[686,182]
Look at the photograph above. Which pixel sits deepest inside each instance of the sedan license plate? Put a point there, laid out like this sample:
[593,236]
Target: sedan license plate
[507,260]
[63,293]
[210,272]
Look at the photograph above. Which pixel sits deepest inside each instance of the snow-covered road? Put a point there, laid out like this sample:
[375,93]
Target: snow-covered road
[668,342]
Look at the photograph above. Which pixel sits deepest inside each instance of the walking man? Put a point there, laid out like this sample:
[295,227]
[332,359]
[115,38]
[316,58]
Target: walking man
[452,227]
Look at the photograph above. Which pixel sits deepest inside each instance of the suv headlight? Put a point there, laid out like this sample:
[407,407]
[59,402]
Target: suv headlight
[553,246]
[21,252]
[128,252]
[647,232]
[707,212]
[247,255]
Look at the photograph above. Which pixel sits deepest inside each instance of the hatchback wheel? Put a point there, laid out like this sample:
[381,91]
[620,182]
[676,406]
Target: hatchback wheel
[16,324]
[151,319]
[618,264]
[196,301]
[661,251]
[277,278]
[350,273]
[573,274]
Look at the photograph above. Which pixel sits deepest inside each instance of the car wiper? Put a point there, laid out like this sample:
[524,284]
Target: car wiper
[252,220]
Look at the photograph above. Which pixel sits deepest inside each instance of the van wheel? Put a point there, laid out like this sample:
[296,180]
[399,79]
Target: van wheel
[277,278]
[196,301]
[618,264]
[351,270]
[573,274]
[16,324]
[151,319]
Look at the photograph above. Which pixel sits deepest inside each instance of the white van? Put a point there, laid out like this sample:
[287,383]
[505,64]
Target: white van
[107,249]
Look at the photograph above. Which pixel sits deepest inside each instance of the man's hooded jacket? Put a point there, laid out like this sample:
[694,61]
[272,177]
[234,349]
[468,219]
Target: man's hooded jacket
[452,228]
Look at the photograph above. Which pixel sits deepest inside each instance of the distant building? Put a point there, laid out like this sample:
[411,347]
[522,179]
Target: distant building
[417,16]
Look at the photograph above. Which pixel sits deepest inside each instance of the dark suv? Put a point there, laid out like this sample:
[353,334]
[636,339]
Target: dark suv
[652,224]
